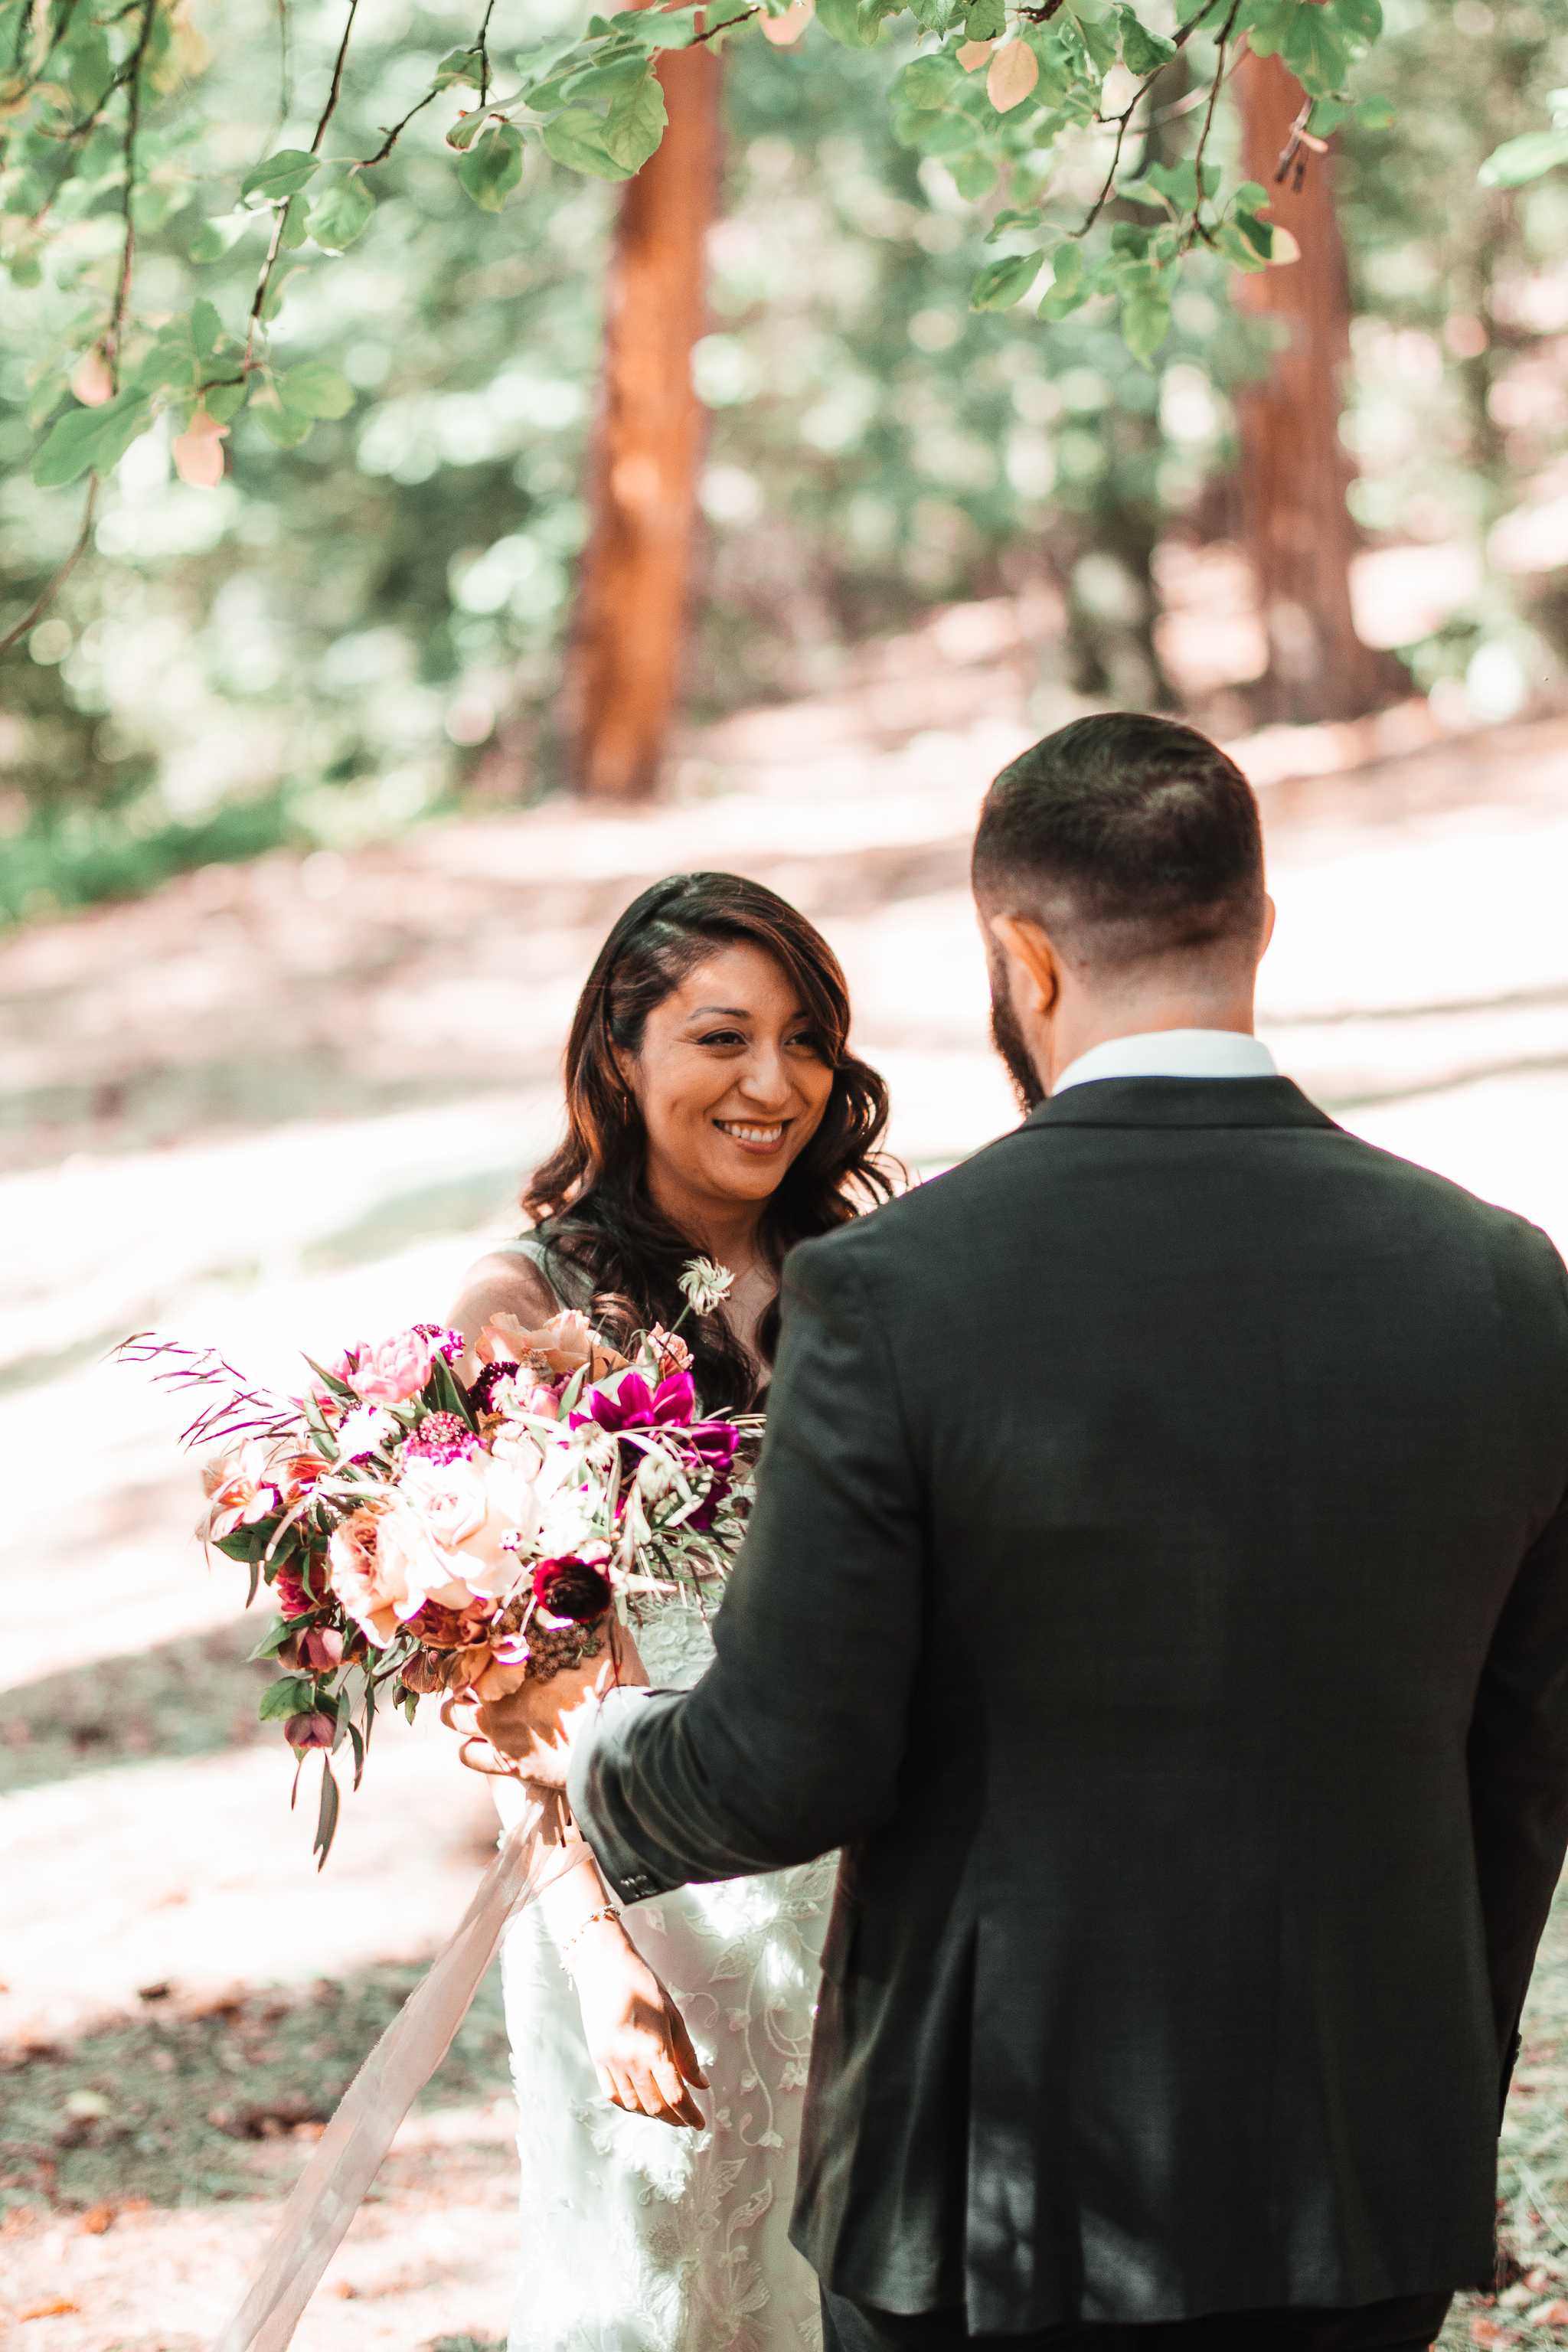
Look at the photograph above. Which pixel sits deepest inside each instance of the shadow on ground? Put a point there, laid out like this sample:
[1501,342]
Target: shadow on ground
[193,1697]
[186,2107]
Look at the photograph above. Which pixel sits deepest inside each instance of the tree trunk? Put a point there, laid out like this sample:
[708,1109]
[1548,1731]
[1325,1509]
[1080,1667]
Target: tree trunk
[628,630]
[1294,468]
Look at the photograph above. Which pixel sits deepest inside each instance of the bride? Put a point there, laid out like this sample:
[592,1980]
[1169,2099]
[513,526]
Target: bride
[714,1109]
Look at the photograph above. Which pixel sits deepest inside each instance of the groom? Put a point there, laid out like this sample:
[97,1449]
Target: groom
[1158,1587]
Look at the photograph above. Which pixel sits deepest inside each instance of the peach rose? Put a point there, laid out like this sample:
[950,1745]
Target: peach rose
[392,1371]
[365,1577]
[563,1346]
[240,1488]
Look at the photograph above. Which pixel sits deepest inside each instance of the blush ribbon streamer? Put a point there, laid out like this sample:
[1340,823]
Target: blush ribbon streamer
[349,2153]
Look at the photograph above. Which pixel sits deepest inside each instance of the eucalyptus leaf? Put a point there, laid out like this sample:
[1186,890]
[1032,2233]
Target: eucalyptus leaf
[458,67]
[280,177]
[287,427]
[1316,50]
[340,215]
[290,1694]
[1144,51]
[1146,323]
[315,390]
[216,237]
[91,440]
[575,138]
[492,167]
[1525,159]
[635,125]
[1003,283]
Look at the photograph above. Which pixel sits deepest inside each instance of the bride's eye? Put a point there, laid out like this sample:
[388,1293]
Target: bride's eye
[721,1037]
[810,1041]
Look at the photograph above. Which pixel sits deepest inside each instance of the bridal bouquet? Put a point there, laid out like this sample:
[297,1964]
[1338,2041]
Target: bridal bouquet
[429,1517]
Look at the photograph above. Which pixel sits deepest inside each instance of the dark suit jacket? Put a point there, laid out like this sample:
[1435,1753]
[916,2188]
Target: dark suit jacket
[1159,1586]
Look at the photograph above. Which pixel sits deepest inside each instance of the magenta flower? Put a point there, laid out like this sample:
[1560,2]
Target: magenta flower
[449,1345]
[440,1437]
[633,1406]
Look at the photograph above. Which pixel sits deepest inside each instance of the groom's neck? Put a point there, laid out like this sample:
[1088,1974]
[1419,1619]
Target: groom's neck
[1085,1022]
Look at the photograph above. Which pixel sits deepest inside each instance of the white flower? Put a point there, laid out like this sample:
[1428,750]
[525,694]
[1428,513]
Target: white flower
[706,1285]
[363,1431]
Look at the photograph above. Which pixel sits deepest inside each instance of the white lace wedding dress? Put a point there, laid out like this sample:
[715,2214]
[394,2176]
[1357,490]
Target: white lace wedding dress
[637,2237]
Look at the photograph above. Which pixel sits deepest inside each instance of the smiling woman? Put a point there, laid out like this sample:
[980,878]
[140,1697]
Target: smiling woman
[713,1108]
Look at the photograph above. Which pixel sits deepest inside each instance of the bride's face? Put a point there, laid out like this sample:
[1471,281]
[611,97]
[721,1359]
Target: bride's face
[730,1079]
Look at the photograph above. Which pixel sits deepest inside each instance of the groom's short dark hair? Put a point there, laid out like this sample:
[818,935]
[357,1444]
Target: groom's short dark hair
[1129,837]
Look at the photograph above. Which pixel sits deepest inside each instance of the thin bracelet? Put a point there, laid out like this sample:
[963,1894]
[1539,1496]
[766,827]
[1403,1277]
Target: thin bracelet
[605,1911]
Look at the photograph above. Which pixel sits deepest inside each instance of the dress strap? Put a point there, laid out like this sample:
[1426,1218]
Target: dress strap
[573,1288]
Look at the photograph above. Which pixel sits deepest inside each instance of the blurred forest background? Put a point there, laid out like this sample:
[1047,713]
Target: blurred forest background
[353,634]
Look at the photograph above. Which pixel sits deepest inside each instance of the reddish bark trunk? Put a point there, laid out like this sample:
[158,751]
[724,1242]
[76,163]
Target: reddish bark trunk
[1294,467]
[630,628]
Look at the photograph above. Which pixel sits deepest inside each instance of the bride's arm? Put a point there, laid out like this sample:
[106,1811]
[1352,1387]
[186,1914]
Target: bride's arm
[635,2036]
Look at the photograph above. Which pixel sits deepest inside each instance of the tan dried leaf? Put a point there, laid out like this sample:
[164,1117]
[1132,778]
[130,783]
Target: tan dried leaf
[1285,248]
[1013,73]
[782,31]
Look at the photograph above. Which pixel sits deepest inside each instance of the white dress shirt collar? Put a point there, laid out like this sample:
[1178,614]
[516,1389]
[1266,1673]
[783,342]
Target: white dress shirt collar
[1173,1054]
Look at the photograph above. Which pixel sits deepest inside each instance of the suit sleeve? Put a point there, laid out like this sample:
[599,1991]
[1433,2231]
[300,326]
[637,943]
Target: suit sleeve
[791,1742]
[1518,1756]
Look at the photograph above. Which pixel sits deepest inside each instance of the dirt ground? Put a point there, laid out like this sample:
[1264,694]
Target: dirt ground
[276,1107]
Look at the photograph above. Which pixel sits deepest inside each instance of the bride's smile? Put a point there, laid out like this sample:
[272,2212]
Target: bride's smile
[732,1080]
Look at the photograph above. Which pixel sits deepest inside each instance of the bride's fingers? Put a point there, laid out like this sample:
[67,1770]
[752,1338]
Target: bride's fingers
[679,2106]
[650,2098]
[461,1715]
[685,2057]
[485,1760]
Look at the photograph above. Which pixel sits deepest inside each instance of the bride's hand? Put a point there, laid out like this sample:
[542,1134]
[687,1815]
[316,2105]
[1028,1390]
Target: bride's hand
[637,2037]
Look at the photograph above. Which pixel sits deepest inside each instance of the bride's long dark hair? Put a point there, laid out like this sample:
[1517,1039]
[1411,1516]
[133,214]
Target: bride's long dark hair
[593,1192]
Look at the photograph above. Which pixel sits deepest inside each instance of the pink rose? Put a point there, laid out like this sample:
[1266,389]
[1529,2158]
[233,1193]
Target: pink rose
[394,1370]
[474,1514]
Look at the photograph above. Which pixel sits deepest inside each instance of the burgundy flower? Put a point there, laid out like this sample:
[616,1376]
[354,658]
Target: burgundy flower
[485,1382]
[706,1510]
[315,1730]
[440,1437]
[572,1589]
[294,1593]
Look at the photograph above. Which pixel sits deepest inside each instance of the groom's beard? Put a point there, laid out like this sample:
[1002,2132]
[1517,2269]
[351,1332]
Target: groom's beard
[1008,1039]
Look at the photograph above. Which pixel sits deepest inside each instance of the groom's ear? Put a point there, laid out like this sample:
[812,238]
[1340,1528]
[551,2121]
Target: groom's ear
[1028,948]
[1269,912]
